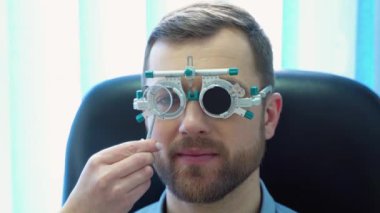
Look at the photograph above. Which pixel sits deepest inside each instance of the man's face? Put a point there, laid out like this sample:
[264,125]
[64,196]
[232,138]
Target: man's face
[205,158]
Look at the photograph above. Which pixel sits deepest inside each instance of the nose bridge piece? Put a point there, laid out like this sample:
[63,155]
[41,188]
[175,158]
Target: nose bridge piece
[193,95]
[193,105]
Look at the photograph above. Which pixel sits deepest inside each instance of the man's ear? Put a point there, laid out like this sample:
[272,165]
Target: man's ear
[273,107]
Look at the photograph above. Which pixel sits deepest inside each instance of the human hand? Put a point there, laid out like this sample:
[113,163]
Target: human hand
[114,178]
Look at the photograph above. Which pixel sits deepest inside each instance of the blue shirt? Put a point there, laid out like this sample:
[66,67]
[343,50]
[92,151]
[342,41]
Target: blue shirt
[268,205]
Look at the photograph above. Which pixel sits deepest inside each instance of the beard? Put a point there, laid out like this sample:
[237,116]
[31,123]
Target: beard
[206,184]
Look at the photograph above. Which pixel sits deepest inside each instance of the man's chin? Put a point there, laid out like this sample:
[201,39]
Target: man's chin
[197,185]
[194,190]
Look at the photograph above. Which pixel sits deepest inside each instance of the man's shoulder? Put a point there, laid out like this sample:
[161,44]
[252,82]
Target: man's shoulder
[283,209]
[268,204]
[154,207]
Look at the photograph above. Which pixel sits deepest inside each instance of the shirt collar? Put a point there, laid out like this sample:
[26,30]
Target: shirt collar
[267,202]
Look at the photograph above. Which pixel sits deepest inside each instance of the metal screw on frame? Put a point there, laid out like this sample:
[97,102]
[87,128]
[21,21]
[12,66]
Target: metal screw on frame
[190,66]
[190,61]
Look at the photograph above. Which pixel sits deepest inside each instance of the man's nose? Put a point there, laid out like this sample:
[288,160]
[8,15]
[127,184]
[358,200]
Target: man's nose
[194,121]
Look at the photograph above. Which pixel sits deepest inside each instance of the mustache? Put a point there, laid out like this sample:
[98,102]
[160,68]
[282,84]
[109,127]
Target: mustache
[199,143]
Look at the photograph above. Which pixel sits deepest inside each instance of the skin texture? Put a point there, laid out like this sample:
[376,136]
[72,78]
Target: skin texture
[115,178]
[227,173]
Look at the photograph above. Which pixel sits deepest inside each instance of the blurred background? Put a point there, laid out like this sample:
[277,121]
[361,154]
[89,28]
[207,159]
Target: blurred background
[52,52]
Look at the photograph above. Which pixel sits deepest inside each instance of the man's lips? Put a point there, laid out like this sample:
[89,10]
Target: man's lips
[196,156]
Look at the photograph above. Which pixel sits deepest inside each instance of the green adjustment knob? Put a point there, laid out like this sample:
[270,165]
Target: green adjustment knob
[249,115]
[139,94]
[149,74]
[140,118]
[254,91]
[189,72]
[233,71]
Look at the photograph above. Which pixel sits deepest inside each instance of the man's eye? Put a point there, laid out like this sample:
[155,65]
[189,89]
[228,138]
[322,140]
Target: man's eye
[176,100]
[164,100]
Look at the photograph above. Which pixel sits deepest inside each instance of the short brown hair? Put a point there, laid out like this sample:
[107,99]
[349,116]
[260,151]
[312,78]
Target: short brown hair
[203,20]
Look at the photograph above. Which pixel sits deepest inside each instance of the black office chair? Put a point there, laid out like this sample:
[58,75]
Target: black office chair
[325,156]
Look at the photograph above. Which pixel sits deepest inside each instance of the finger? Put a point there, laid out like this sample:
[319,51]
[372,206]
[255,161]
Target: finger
[133,196]
[128,183]
[126,149]
[131,164]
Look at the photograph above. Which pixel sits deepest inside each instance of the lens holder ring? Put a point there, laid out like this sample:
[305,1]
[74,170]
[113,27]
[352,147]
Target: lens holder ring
[176,86]
[211,82]
[150,99]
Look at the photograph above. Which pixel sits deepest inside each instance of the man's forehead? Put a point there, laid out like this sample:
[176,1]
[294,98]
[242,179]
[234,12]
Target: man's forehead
[228,47]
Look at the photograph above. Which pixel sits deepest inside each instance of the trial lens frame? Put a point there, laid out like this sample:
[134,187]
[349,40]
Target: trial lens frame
[210,78]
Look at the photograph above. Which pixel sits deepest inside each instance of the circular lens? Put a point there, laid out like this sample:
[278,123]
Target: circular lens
[161,99]
[216,100]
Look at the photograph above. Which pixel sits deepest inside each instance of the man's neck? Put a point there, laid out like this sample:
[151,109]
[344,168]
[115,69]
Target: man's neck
[244,198]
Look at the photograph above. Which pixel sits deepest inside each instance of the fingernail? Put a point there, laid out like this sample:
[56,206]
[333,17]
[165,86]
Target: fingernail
[158,145]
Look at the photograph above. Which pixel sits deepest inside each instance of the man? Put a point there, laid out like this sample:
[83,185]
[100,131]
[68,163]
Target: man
[208,164]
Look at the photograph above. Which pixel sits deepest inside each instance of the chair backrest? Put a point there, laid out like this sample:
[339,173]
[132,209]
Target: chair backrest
[325,156]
